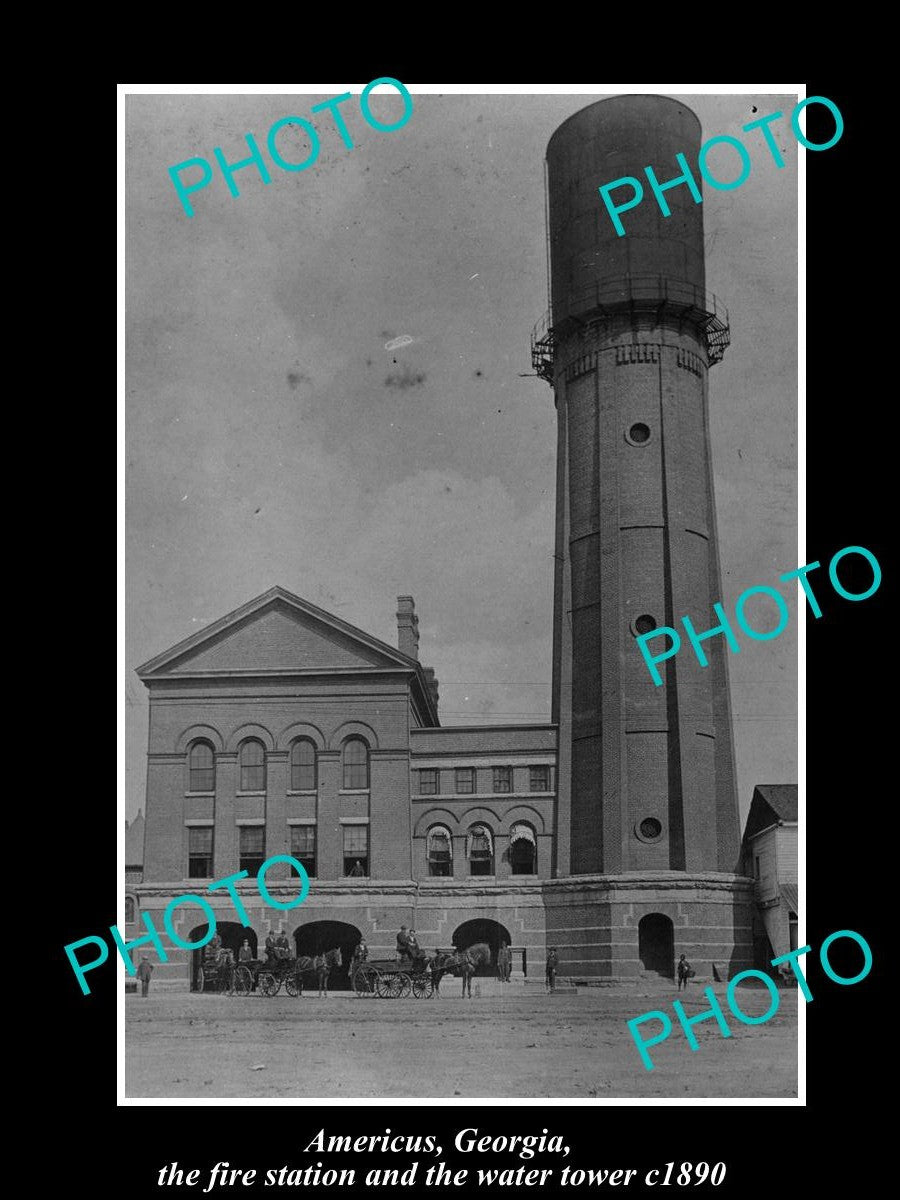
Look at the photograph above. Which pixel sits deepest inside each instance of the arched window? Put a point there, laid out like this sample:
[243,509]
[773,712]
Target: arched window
[253,766]
[202,768]
[440,851]
[356,764]
[303,766]
[480,850]
[129,910]
[522,849]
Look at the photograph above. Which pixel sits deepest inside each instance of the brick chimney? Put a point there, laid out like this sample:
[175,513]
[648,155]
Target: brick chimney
[432,684]
[407,627]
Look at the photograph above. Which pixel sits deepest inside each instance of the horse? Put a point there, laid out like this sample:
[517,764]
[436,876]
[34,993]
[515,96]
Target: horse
[462,963]
[305,965]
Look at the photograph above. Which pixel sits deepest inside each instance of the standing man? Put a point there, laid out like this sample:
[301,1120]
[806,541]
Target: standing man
[552,963]
[684,973]
[270,946]
[360,954]
[502,961]
[321,968]
[213,948]
[144,971]
[403,943]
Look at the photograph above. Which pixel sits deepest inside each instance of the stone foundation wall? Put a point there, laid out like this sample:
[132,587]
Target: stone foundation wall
[593,921]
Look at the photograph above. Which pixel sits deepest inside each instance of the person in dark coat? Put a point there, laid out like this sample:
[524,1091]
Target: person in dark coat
[270,947]
[282,945]
[552,963]
[144,971]
[321,968]
[403,950]
[503,963]
[685,972]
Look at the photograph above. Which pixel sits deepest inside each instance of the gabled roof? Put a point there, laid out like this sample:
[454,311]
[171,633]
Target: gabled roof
[771,803]
[272,599]
[278,633]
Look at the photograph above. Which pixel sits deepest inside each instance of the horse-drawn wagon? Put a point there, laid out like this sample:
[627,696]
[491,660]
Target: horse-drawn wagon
[285,971]
[392,979]
[218,972]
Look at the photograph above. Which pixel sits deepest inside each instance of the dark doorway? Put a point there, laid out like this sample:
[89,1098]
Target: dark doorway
[492,932]
[232,935]
[656,944]
[320,936]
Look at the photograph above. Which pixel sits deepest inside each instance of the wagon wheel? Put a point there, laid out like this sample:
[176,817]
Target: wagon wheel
[365,980]
[200,979]
[389,986]
[292,984]
[243,981]
[423,987]
[385,988]
[405,985]
[268,984]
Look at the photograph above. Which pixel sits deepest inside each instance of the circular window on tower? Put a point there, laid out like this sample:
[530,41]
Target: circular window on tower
[643,624]
[638,434]
[649,830]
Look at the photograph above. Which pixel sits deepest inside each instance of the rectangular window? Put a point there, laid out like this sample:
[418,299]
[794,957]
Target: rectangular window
[502,779]
[539,779]
[356,850]
[202,779]
[200,852]
[428,783]
[252,848]
[303,847]
[440,860]
[465,781]
[481,856]
[303,766]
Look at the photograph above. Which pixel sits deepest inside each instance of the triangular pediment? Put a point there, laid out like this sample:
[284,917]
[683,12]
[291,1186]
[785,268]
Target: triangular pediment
[276,632]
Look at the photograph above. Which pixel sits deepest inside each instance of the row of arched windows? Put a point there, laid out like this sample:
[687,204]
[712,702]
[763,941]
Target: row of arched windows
[303,763]
[479,850]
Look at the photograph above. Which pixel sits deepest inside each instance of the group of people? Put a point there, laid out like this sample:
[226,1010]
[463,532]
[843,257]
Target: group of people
[408,944]
[277,946]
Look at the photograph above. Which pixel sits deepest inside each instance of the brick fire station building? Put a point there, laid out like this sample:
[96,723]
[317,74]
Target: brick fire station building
[283,729]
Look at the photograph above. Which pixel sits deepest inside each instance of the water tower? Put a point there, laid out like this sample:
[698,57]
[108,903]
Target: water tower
[648,832]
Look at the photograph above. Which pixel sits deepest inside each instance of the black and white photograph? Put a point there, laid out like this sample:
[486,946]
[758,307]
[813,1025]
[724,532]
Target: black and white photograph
[462,609]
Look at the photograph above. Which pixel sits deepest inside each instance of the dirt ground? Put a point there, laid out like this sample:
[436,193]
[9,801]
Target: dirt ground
[568,1045]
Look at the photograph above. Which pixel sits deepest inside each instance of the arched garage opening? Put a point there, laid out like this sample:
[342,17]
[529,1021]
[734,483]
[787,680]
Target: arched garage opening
[320,936]
[491,932]
[656,944]
[232,934]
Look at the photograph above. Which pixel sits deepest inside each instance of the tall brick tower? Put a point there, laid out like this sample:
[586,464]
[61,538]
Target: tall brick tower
[648,817]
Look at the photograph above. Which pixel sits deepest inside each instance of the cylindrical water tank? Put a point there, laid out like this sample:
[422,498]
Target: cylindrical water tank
[589,260]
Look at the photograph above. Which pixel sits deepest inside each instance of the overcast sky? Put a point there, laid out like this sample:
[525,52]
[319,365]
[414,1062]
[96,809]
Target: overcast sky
[272,439]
